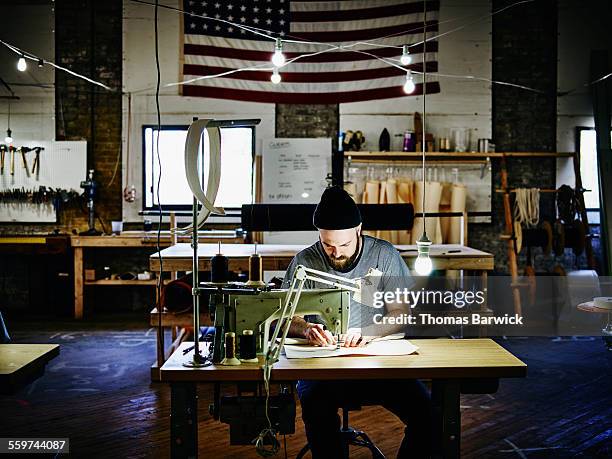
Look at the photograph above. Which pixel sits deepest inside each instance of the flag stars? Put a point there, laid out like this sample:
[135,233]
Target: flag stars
[268,10]
[256,20]
[217,28]
[230,29]
[242,19]
[255,10]
[217,5]
[281,22]
[205,26]
[230,18]
[268,21]
[281,11]
[242,8]
[217,16]
[204,4]
[230,7]
[192,25]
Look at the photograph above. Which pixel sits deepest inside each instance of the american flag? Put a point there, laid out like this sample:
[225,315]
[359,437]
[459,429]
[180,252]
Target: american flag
[212,47]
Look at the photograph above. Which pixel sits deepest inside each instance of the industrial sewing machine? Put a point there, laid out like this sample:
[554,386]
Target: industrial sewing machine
[255,309]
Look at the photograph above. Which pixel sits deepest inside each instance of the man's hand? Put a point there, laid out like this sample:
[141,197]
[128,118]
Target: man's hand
[318,336]
[354,339]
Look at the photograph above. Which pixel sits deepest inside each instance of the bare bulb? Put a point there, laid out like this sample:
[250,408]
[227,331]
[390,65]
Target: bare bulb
[423,264]
[406,58]
[278,58]
[409,85]
[275,78]
[9,138]
[21,64]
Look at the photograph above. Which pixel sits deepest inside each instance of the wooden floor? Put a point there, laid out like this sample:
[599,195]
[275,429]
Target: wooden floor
[98,393]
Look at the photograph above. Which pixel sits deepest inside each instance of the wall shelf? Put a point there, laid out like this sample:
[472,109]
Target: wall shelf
[386,155]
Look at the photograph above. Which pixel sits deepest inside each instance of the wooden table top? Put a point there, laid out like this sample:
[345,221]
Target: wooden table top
[179,257]
[148,239]
[184,250]
[435,359]
[19,361]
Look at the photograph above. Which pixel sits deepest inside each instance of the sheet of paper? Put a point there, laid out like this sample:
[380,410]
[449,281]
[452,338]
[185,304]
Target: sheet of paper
[374,348]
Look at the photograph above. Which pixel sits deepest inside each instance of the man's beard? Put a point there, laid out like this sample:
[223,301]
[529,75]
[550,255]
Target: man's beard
[343,262]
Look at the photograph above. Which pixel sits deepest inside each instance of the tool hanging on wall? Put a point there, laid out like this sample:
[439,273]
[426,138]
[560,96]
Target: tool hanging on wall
[3,149]
[36,163]
[22,150]
[12,150]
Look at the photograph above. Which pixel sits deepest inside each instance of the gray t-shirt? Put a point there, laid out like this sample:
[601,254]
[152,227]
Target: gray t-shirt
[376,253]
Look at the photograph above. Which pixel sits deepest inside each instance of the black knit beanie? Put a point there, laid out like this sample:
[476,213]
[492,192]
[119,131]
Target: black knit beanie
[336,210]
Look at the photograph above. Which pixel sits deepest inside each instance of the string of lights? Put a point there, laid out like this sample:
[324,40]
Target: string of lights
[279,61]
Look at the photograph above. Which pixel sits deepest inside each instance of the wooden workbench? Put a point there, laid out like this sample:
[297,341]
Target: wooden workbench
[454,366]
[125,240]
[20,364]
[277,257]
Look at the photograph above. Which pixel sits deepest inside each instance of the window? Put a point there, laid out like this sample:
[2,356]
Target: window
[237,155]
[587,148]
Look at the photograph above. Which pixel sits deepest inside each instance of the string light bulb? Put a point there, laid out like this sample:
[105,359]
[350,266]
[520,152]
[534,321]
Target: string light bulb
[423,264]
[278,58]
[275,78]
[409,85]
[21,64]
[406,58]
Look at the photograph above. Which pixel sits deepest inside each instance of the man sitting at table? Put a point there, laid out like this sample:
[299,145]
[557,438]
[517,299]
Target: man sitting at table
[342,250]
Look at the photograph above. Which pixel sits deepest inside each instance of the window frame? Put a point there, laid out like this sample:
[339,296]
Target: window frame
[147,187]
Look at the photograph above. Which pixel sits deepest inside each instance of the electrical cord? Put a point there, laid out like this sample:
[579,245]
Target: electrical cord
[160,280]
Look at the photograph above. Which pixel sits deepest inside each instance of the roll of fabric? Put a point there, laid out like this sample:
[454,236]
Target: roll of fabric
[433,192]
[445,206]
[457,204]
[388,195]
[404,196]
[371,195]
[351,189]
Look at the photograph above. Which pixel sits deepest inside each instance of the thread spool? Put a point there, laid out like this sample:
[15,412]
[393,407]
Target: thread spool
[256,271]
[248,350]
[219,268]
[230,350]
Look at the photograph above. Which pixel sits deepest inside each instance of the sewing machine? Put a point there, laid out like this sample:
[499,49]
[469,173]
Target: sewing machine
[254,309]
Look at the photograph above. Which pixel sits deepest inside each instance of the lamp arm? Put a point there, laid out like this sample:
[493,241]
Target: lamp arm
[300,276]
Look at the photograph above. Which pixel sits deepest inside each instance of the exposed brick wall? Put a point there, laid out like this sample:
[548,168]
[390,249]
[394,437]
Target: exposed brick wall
[525,53]
[307,120]
[88,40]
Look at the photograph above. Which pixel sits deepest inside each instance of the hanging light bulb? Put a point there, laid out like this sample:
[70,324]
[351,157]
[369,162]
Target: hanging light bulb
[275,78]
[406,58]
[21,64]
[278,58]
[409,85]
[423,264]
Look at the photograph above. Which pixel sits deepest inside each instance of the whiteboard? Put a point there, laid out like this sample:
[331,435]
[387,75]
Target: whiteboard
[294,172]
[62,165]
